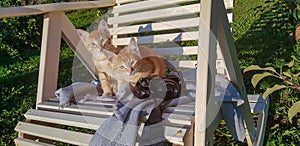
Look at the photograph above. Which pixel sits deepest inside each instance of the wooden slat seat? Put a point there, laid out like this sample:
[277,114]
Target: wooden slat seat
[28,142]
[177,121]
[175,125]
[51,133]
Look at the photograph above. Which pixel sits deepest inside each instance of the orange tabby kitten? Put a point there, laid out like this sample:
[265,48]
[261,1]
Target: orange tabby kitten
[98,42]
[135,62]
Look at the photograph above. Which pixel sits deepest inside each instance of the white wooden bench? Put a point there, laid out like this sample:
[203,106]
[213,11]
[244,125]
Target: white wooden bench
[152,22]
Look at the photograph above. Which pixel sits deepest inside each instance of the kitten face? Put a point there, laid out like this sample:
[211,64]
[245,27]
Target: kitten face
[125,62]
[97,40]
[130,65]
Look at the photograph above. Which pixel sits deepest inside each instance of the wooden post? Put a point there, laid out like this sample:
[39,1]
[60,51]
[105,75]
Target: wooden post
[71,37]
[49,61]
[233,69]
[206,65]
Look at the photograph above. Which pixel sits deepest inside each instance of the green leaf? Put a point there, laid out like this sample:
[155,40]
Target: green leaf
[272,89]
[294,110]
[257,77]
[256,67]
[291,63]
[296,75]
[287,74]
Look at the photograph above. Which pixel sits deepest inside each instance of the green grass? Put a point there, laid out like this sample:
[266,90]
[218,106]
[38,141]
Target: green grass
[260,35]
[19,78]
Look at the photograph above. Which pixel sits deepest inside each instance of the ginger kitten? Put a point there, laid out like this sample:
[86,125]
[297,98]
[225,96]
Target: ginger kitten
[135,62]
[99,43]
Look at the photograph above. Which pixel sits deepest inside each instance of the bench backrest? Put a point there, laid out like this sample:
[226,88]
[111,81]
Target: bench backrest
[171,28]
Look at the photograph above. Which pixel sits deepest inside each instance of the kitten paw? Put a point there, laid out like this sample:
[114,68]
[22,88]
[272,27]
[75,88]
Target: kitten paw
[87,97]
[107,98]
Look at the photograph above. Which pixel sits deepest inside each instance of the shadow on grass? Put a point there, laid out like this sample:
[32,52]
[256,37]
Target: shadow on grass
[267,39]
[265,43]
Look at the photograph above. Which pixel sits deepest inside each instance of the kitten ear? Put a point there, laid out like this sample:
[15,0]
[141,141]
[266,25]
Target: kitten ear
[109,55]
[133,46]
[103,28]
[83,35]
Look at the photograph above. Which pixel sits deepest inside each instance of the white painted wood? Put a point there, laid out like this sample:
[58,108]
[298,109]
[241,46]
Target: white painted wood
[175,135]
[93,122]
[48,71]
[141,5]
[115,26]
[261,125]
[157,26]
[220,66]
[177,119]
[98,111]
[256,98]
[156,14]
[88,102]
[160,26]
[261,107]
[27,142]
[191,50]
[188,138]
[228,4]
[71,137]
[229,52]
[54,7]
[79,108]
[82,121]
[125,1]
[172,37]
[180,110]
[230,17]
[184,64]
[206,60]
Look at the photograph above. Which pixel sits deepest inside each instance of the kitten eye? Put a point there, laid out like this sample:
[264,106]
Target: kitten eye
[132,62]
[94,43]
[121,67]
[138,69]
[102,40]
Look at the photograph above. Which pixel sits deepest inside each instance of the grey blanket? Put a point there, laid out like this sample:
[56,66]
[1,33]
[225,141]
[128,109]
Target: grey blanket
[122,128]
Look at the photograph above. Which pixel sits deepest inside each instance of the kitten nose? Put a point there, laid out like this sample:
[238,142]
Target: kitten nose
[100,47]
[131,72]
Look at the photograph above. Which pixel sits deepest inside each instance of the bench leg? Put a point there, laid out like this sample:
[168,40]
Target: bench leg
[188,138]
